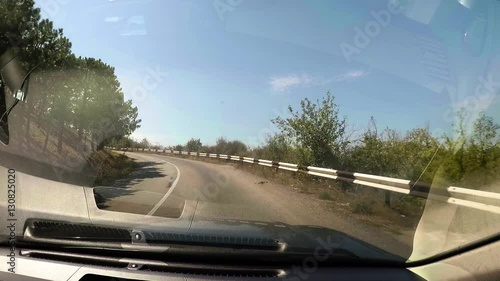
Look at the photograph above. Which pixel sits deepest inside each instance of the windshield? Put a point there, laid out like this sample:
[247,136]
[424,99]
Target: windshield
[370,124]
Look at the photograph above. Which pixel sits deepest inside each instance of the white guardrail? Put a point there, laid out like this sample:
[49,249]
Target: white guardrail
[489,201]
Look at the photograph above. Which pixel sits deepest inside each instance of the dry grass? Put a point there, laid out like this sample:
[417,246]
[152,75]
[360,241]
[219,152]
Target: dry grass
[325,195]
[361,207]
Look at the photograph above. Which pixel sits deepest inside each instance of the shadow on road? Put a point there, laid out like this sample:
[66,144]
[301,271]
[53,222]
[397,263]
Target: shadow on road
[145,170]
[103,195]
[122,187]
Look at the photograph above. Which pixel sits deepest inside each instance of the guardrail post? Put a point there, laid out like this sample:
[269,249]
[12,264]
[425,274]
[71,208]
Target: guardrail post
[275,166]
[388,198]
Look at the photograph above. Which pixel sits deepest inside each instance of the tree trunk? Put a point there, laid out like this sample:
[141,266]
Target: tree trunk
[28,124]
[47,134]
[27,113]
[4,129]
[47,126]
[80,132]
[60,139]
[100,146]
[84,142]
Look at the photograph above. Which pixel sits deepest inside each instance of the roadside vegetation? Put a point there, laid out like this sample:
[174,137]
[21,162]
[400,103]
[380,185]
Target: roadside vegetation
[74,106]
[107,167]
[74,101]
[317,135]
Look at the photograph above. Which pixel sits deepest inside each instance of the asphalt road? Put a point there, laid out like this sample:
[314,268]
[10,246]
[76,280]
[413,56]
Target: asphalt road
[142,192]
[223,192]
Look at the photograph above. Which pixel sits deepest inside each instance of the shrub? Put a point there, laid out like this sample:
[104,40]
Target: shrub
[325,196]
[363,207]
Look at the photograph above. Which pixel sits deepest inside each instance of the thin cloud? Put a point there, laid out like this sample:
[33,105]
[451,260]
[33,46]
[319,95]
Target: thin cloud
[283,83]
[351,75]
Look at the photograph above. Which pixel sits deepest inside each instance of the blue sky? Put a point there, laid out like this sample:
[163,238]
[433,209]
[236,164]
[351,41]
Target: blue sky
[226,67]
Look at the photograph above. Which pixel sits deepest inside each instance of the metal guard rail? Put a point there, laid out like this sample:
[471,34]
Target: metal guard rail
[417,189]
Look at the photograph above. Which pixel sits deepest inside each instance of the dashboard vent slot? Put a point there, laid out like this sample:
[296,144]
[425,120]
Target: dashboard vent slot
[256,243]
[56,230]
[94,277]
[74,258]
[219,271]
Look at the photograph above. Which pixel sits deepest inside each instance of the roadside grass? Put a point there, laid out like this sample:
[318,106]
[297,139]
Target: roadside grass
[325,196]
[362,208]
[363,202]
[110,166]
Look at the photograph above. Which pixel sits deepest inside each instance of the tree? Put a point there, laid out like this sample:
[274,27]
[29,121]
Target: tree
[422,154]
[484,138]
[366,155]
[38,43]
[236,147]
[120,143]
[221,145]
[277,148]
[316,128]
[71,93]
[145,143]
[193,145]
[482,155]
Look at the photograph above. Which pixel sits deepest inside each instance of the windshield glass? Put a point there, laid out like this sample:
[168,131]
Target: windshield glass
[369,124]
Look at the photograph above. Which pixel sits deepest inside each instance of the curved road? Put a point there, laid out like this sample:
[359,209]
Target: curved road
[223,192]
